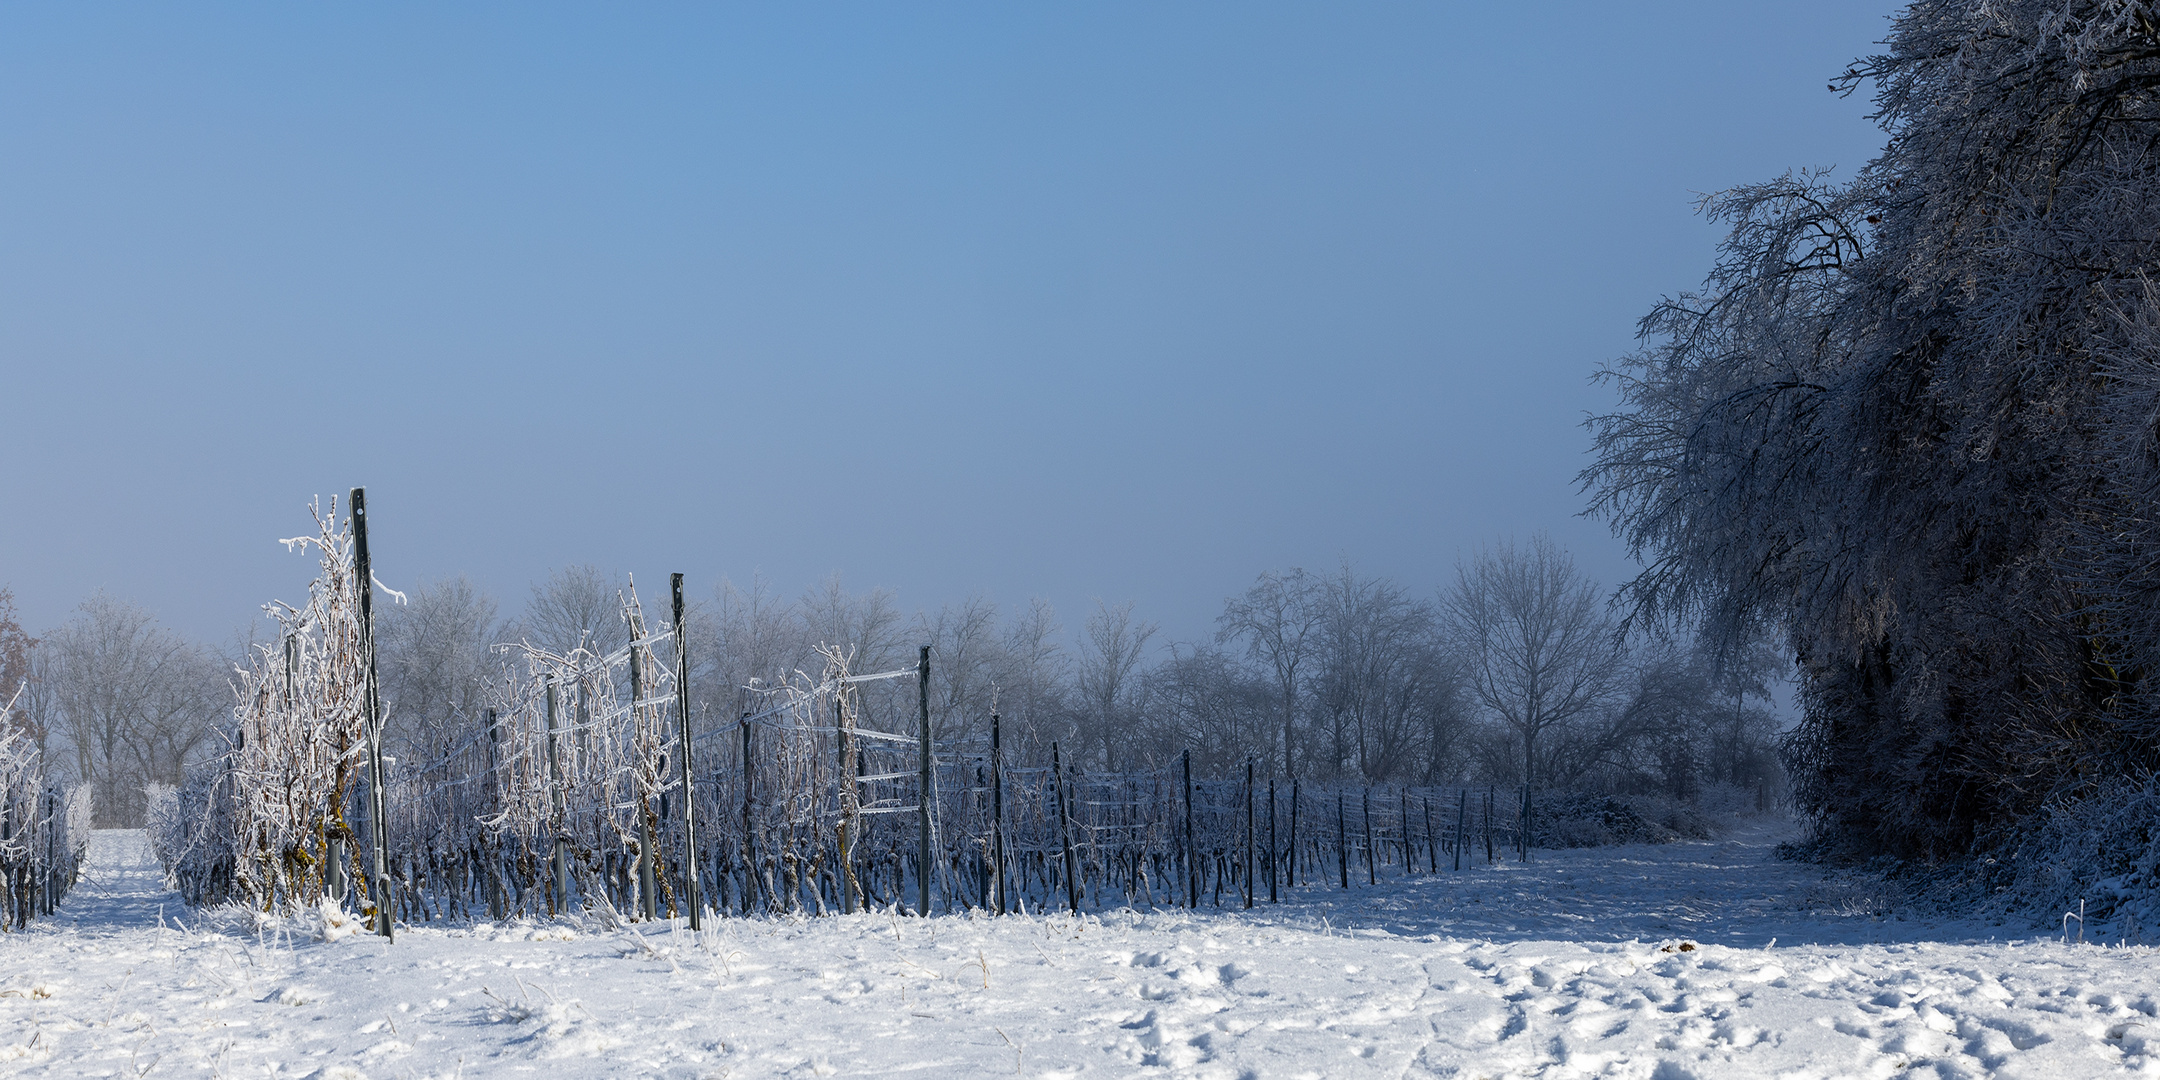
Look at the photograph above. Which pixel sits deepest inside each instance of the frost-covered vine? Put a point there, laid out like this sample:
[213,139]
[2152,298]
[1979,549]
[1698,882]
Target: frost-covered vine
[44,828]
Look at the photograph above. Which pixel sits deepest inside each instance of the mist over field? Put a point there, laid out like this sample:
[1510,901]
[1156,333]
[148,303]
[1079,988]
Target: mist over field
[1133,541]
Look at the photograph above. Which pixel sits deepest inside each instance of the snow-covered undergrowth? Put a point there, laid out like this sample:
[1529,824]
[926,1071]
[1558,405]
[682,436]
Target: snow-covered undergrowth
[1691,959]
[2098,854]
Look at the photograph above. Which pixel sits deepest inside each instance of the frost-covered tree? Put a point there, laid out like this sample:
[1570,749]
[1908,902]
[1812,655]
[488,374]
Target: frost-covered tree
[1908,422]
[576,607]
[436,657]
[133,701]
[1105,692]
[1541,658]
[1383,689]
[1201,699]
[1278,622]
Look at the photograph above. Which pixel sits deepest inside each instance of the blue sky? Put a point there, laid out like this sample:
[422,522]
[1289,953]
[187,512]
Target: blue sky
[1119,301]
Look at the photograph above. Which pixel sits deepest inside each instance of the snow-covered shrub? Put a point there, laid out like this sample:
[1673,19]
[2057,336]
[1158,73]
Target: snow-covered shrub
[2101,847]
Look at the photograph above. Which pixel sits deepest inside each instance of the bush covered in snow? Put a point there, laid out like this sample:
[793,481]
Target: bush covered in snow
[2100,848]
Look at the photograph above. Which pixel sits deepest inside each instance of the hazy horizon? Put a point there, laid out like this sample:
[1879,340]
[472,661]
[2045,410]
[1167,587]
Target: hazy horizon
[1130,302]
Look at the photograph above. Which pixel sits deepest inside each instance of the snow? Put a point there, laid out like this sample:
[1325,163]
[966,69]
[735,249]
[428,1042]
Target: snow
[1654,963]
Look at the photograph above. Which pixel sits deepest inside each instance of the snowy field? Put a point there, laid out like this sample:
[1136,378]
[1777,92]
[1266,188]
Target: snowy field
[1700,960]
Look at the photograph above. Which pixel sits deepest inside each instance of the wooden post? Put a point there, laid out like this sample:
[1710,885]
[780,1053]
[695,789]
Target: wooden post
[682,741]
[498,903]
[1432,843]
[1372,876]
[1273,852]
[749,824]
[1488,826]
[1064,813]
[1522,831]
[1291,853]
[561,807]
[648,876]
[997,812]
[371,696]
[581,724]
[1192,856]
[1462,816]
[849,800]
[927,794]
[1409,852]
[1342,839]
[1251,863]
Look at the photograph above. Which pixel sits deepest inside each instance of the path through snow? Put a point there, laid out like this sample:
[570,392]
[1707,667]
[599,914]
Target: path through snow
[1574,966]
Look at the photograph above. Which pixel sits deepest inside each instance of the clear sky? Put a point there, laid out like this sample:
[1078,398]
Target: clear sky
[1130,301]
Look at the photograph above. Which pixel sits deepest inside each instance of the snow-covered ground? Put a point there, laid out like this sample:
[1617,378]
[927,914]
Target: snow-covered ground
[1656,963]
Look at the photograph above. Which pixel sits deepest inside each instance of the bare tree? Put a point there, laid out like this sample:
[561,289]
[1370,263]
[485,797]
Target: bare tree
[576,607]
[871,623]
[436,659]
[963,640]
[1539,652]
[1375,660]
[134,701]
[1278,620]
[1201,699]
[1030,677]
[1111,647]
[755,638]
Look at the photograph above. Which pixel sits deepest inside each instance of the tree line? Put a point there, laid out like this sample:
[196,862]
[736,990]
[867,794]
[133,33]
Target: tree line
[1515,672]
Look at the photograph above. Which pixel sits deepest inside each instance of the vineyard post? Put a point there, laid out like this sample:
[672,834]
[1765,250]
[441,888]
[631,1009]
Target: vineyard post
[749,826]
[1192,857]
[17,894]
[1291,853]
[997,811]
[371,697]
[1372,876]
[845,780]
[1342,842]
[498,904]
[648,877]
[1432,844]
[1488,826]
[1462,820]
[561,806]
[1273,853]
[922,850]
[581,725]
[1409,852]
[1522,828]
[1251,863]
[1072,866]
[682,739]
[292,664]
